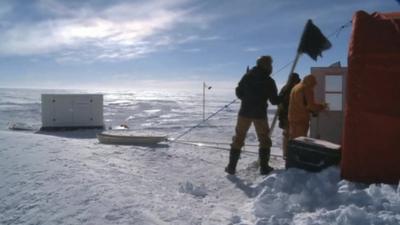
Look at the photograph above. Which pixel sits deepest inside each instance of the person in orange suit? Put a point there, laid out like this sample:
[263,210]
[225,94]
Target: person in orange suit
[283,109]
[301,105]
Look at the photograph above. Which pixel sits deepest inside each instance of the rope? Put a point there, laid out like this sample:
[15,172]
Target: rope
[337,32]
[204,145]
[283,67]
[200,142]
[197,125]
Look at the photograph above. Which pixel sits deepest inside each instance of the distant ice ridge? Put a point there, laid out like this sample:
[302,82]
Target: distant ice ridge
[297,197]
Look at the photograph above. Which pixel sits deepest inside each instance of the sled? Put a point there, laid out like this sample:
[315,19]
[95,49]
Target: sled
[123,137]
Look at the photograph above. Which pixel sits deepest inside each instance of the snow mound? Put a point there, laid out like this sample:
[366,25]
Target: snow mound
[189,188]
[298,197]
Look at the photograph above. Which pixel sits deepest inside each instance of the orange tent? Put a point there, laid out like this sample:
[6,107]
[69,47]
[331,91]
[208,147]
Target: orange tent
[371,136]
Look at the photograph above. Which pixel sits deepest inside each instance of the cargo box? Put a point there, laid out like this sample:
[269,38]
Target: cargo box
[72,111]
[312,154]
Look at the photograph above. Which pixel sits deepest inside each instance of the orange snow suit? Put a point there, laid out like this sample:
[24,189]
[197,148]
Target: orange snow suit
[301,105]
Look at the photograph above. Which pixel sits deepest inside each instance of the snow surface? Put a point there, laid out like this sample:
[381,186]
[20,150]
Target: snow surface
[70,178]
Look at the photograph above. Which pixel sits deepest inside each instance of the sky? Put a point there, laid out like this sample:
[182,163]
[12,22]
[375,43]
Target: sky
[128,44]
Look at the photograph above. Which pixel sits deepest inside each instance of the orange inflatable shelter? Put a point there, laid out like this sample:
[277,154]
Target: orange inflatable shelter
[371,136]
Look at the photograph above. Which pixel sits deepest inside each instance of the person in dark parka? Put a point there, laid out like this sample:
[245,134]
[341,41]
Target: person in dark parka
[283,109]
[254,90]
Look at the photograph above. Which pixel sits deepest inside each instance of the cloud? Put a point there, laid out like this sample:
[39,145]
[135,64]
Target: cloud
[192,50]
[121,31]
[252,49]
[193,38]
[5,8]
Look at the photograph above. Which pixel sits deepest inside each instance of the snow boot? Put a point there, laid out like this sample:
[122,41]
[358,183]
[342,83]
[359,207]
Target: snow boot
[234,155]
[264,154]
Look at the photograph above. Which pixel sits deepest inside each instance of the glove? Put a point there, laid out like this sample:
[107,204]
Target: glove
[326,106]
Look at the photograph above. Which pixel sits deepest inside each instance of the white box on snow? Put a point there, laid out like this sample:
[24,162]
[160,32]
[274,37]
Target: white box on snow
[72,111]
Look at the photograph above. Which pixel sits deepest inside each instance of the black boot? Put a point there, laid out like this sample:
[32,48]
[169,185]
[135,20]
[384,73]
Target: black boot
[264,159]
[234,155]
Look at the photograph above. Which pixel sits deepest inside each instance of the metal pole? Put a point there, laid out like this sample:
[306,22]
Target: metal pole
[276,113]
[204,101]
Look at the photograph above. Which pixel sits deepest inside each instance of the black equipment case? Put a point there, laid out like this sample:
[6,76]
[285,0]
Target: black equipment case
[312,154]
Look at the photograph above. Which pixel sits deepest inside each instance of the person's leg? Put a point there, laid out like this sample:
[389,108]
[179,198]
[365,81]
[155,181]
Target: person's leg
[262,131]
[285,140]
[264,151]
[242,126]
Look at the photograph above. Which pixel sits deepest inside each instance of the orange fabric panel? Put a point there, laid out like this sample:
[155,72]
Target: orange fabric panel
[371,136]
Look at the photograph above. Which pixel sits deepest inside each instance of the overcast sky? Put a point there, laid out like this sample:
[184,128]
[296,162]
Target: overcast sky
[163,43]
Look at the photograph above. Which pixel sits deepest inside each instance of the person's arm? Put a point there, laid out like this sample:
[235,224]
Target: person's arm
[274,98]
[239,91]
[282,93]
[311,104]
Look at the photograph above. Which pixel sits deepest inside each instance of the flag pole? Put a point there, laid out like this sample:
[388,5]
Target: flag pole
[204,101]
[296,59]
[312,42]
[271,129]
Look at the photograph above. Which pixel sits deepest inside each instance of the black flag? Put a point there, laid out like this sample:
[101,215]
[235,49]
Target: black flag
[313,42]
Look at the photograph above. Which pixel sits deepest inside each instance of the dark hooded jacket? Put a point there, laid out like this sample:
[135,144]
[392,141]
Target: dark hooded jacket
[284,95]
[254,90]
[283,108]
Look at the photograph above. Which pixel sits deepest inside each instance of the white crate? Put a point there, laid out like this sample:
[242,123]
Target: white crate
[72,111]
